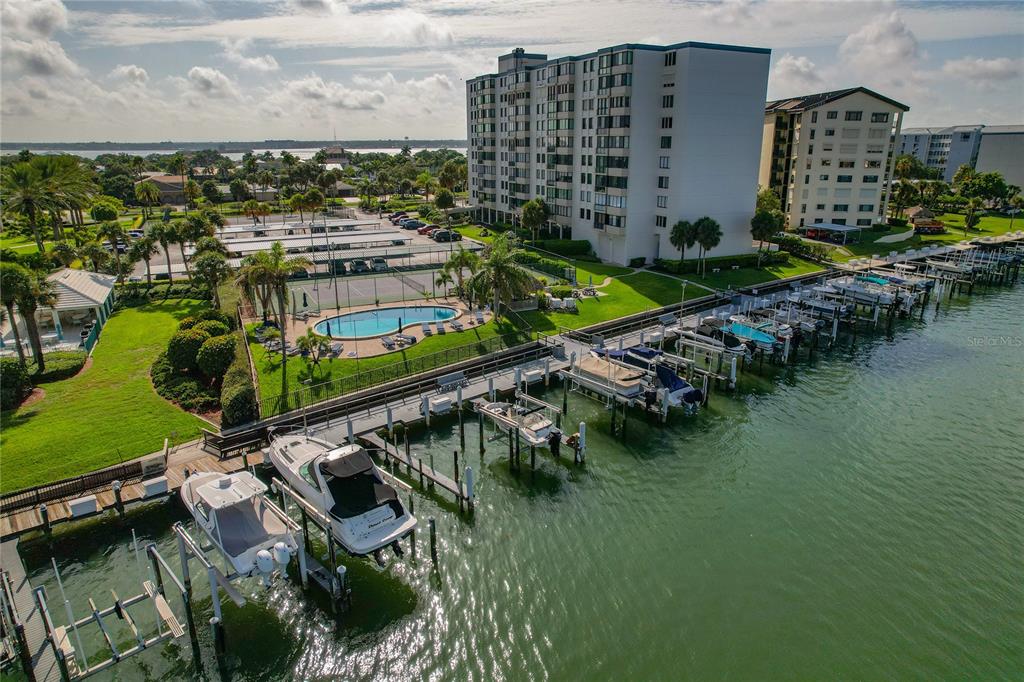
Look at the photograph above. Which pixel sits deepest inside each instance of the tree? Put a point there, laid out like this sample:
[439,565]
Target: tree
[144,248]
[971,218]
[280,269]
[314,200]
[192,191]
[263,211]
[68,185]
[963,174]
[445,200]
[534,214]
[22,190]
[426,182]
[904,193]
[444,280]
[38,292]
[211,192]
[112,232]
[206,244]
[297,202]
[1016,203]
[459,261]
[239,189]
[254,279]
[211,269]
[313,346]
[64,253]
[14,279]
[102,211]
[163,234]
[763,226]
[683,237]
[500,276]
[709,235]
[147,194]
[449,175]
[183,348]
[768,200]
[93,252]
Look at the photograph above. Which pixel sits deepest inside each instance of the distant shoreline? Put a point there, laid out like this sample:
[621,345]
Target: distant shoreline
[171,146]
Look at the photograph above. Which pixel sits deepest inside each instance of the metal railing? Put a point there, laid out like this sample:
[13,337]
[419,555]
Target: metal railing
[70,487]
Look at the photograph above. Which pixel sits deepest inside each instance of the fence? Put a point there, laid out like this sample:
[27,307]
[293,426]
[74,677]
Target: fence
[279,404]
[70,487]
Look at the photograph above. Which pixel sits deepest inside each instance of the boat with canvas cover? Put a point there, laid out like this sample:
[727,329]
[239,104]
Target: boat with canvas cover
[534,426]
[231,510]
[365,512]
[680,392]
[626,382]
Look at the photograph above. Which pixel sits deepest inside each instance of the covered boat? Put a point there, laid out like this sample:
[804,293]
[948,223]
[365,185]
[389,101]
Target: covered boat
[366,514]
[626,382]
[534,426]
[231,510]
[680,392]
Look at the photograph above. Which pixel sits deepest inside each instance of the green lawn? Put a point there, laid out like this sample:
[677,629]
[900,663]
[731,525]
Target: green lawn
[473,232]
[20,244]
[989,226]
[108,414]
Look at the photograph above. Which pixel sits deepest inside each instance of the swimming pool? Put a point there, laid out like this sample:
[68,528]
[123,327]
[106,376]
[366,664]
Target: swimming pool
[381,321]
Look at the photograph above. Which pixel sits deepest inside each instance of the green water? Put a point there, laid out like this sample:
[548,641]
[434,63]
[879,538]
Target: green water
[857,517]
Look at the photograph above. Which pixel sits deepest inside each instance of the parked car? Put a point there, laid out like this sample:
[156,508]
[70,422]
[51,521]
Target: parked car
[403,221]
[359,265]
[136,234]
[412,224]
[426,229]
[445,236]
[379,264]
[397,217]
[121,246]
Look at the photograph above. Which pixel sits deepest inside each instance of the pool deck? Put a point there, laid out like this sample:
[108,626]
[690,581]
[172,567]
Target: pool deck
[371,346]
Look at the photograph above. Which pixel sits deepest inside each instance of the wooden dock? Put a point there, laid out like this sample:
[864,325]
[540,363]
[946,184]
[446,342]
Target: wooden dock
[44,663]
[416,467]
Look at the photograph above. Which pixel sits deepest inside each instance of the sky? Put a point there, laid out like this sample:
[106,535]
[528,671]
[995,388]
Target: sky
[200,70]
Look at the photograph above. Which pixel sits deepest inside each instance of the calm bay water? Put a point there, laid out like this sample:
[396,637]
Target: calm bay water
[858,517]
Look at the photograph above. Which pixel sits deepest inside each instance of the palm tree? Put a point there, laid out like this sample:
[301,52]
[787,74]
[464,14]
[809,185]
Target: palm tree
[533,214]
[313,346]
[683,237]
[709,235]
[974,204]
[65,253]
[280,269]
[14,279]
[903,166]
[212,269]
[147,194]
[263,211]
[93,252]
[114,235]
[426,182]
[68,185]
[164,235]
[209,245]
[253,279]
[314,199]
[500,276]
[144,248]
[297,202]
[250,208]
[1016,203]
[192,191]
[763,225]
[23,191]
[444,280]
[38,292]
[462,260]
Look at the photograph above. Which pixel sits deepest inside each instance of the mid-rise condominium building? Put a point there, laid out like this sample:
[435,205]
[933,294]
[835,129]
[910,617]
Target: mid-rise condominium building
[829,155]
[1002,149]
[945,149]
[621,143]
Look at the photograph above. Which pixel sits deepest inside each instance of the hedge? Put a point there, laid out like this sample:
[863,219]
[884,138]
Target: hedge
[14,383]
[188,392]
[560,291]
[61,365]
[216,354]
[746,260]
[212,327]
[183,347]
[555,268]
[570,248]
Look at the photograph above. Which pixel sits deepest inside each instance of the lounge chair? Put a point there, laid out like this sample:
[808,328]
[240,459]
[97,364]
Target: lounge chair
[456,325]
[292,350]
[388,342]
[336,348]
[479,314]
[440,326]
[425,326]
[406,338]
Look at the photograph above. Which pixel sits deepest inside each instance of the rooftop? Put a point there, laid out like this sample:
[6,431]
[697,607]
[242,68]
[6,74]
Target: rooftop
[1003,130]
[77,289]
[804,102]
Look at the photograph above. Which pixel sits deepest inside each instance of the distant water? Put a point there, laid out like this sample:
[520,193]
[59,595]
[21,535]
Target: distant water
[855,518]
[302,153]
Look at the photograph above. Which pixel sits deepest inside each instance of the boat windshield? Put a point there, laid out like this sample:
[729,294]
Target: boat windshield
[355,495]
[308,476]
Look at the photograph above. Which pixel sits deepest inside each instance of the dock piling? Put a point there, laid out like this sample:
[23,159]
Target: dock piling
[412,533]
[118,502]
[480,430]
[44,517]
[433,540]
[469,487]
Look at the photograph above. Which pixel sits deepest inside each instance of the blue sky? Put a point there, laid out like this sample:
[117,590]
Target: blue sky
[219,70]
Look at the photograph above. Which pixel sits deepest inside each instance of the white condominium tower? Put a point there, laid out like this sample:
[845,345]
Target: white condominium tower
[829,155]
[622,143]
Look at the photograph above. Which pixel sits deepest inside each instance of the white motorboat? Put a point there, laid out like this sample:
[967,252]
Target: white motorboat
[534,426]
[625,381]
[862,292]
[232,512]
[366,514]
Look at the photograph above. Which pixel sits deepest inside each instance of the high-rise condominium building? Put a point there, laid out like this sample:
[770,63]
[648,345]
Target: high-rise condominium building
[945,149]
[1002,149]
[621,143]
[829,156]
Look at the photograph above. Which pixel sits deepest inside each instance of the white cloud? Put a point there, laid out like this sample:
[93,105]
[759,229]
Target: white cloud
[211,82]
[37,57]
[986,73]
[129,73]
[794,75]
[731,12]
[885,46]
[33,18]
[233,52]
[314,90]
[316,6]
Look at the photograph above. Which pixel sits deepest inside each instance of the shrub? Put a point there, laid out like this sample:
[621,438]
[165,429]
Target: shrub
[560,291]
[897,222]
[188,322]
[216,354]
[183,347]
[188,392]
[571,248]
[14,383]
[219,316]
[61,365]
[879,227]
[746,260]
[238,404]
[212,327]
[637,262]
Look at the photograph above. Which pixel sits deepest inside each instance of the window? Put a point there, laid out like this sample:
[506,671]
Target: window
[840,208]
[842,193]
[851,133]
[870,178]
[662,201]
[872,163]
[844,178]
[810,149]
[866,208]
[863,222]
[827,147]
[666,142]
[849,148]
[662,162]
[814,117]
[839,221]
[660,221]
[812,133]
[823,177]
[832,114]
[877,134]
[309,476]
[670,59]
[666,121]
[807,179]
[880,117]
[830,132]
[819,207]
[662,182]
[668,100]
[803,208]
[825,163]
[854,115]
[846,163]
